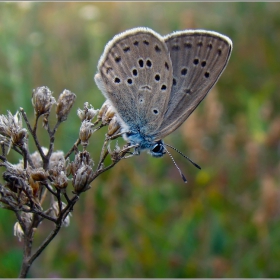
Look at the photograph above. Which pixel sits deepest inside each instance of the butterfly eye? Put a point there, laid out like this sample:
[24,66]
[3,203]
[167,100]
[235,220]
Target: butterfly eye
[156,148]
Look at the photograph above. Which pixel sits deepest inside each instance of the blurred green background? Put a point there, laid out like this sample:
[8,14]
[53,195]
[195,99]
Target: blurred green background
[139,219]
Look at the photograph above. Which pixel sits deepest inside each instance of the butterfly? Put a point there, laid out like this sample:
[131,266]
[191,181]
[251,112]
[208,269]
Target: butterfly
[154,83]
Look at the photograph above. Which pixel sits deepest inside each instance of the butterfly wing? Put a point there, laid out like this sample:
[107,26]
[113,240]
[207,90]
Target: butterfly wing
[198,58]
[135,74]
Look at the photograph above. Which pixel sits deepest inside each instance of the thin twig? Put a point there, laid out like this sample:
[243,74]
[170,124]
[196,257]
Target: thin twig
[52,138]
[54,232]
[74,147]
[50,190]
[3,148]
[103,154]
[33,133]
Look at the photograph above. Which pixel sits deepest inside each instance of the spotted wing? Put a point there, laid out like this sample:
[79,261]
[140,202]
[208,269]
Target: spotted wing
[198,57]
[135,74]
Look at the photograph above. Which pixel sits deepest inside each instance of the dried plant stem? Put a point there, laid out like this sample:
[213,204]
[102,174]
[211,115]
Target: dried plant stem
[33,132]
[40,176]
[74,147]
[52,138]
[28,259]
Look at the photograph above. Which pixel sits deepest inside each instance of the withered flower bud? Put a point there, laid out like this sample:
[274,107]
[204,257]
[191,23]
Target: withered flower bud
[81,170]
[55,213]
[88,113]
[64,104]
[103,109]
[106,113]
[20,137]
[42,101]
[57,161]
[38,174]
[110,113]
[60,180]
[11,128]
[57,170]
[114,126]
[82,178]
[85,132]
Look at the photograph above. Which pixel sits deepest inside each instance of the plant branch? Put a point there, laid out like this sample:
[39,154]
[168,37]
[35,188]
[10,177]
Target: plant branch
[33,133]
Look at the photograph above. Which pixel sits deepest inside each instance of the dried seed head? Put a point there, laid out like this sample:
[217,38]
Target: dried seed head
[88,113]
[57,161]
[60,180]
[64,104]
[38,174]
[114,126]
[85,132]
[19,138]
[82,178]
[11,129]
[106,113]
[57,169]
[42,100]
[103,109]
[81,158]
[81,170]
[107,117]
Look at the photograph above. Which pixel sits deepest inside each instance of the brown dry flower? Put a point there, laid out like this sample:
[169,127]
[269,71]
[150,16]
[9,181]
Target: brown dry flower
[82,172]
[85,132]
[114,126]
[57,170]
[64,104]
[88,113]
[11,131]
[42,100]
[106,113]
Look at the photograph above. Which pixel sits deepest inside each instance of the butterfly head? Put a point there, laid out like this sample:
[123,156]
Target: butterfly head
[155,148]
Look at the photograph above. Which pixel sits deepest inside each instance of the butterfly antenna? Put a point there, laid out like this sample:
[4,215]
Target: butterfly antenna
[182,175]
[196,165]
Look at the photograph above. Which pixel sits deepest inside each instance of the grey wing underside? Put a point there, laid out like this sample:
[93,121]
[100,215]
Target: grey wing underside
[126,76]
[199,58]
